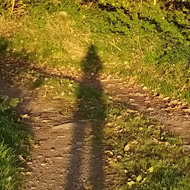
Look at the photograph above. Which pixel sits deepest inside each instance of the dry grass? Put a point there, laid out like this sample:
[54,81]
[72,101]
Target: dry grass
[7,27]
[56,38]
[62,29]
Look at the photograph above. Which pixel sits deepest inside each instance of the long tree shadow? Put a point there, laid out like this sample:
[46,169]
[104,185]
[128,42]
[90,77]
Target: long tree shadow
[91,107]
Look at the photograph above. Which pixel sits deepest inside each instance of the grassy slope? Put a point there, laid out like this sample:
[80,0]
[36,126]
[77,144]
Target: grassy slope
[138,151]
[153,46]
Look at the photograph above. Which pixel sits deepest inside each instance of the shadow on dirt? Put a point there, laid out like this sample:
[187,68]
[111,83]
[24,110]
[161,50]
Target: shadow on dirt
[90,106]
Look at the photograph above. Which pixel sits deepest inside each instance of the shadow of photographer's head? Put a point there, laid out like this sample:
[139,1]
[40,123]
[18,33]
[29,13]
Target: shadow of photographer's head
[91,62]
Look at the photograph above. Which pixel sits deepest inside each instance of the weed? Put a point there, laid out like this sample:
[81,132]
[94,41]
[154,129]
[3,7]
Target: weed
[3,44]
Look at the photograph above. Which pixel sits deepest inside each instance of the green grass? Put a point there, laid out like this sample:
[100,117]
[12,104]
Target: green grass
[142,154]
[14,142]
[59,35]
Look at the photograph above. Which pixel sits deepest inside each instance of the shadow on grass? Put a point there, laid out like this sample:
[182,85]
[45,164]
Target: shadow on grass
[90,107]
[14,136]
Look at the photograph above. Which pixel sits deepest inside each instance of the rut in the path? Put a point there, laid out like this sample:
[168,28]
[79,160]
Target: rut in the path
[64,157]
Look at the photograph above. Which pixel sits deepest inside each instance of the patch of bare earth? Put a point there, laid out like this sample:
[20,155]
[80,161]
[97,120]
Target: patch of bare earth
[63,157]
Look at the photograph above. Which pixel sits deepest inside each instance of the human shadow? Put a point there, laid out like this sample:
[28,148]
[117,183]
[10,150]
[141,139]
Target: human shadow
[90,107]
[86,162]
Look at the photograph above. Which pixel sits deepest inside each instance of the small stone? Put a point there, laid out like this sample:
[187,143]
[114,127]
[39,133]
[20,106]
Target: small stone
[150,109]
[145,88]
[59,158]
[29,163]
[79,143]
[186,110]
[60,137]
[29,173]
[46,121]
[36,146]
[132,100]
[25,116]
[166,98]
[64,126]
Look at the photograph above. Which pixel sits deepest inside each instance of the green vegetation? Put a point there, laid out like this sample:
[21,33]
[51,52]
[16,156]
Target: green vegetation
[14,144]
[149,40]
[141,154]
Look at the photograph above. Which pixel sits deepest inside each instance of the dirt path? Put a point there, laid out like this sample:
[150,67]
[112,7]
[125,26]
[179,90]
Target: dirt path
[173,113]
[63,157]
[60,159]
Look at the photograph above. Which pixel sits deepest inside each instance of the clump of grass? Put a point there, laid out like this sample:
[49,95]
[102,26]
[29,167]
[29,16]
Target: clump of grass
[3,44]
[14,143]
